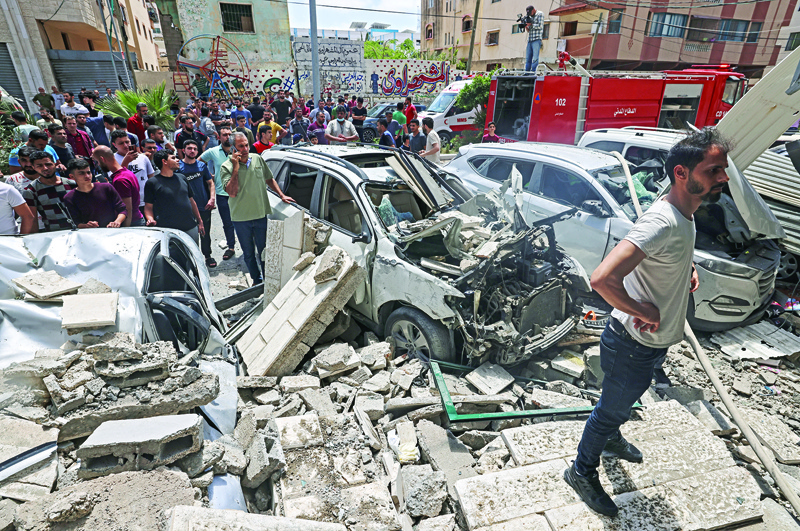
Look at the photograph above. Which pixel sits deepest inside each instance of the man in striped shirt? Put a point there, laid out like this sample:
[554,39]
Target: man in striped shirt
[46,194]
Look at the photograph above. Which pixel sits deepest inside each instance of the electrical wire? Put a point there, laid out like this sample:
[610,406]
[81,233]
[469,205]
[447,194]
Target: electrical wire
[56,11]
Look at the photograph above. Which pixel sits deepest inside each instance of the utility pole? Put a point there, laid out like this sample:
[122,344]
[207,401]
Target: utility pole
[472,35]
[312,6]
[124,36]
[594,40]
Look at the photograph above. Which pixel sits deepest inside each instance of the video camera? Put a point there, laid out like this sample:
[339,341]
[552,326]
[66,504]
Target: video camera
[524,20]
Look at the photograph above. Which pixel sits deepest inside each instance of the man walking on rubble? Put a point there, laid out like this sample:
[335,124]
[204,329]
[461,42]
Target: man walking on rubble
[647,278]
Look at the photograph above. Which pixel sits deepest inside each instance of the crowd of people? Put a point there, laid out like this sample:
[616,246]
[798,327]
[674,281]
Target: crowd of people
[77,168]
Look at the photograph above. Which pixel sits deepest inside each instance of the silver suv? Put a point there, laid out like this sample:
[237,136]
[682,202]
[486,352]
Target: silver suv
[446,272]
[735,262]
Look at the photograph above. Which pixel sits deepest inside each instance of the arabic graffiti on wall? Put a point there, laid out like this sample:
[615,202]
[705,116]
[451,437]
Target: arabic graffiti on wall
[332,53]
[398,83]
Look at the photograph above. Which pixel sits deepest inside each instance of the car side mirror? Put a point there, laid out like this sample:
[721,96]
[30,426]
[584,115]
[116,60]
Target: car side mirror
[364,237]
[595,207]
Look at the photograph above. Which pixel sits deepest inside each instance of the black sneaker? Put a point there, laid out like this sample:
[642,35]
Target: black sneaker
[618,446]
[590,491]
[661,378]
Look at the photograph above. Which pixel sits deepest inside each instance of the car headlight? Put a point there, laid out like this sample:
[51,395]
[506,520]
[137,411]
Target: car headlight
[726,267]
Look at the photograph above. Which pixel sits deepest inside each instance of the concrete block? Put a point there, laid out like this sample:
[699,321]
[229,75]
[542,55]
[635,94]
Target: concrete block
[370,507]
[685,395]
[336,359]
[544,441]
[570,363]
[295,384]
[245,428]
[63,400]
[256,382]
[304,261]
[319,401]
[371,404]
[133,373]
[190,518]
[445,522]
[89,311]
[443,451]
[711,418]
[541,399]
[139,444]
[77,375]
[299,432]
[7,510]
[330,264]
[209,455]
[490,378]
[375,355]
[267,396]
[502,496]
[290,408]
[264,457]
[424,489]
[477,439]
[772,432]
[743,386]
[93,286]
[263,414]
[662,418]
[379,383]
[356,377]
[405,374]
[276,343]
[115,346]
[233,460]
[46,284]
[591,359]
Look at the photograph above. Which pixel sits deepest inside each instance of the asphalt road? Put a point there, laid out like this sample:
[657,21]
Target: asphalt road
[227,271]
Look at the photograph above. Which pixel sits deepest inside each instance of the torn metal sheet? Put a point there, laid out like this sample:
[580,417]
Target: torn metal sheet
[761,340]
[222,410]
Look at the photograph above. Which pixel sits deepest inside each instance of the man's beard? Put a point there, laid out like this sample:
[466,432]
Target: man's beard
[226,144]
[29,171]
[695,188]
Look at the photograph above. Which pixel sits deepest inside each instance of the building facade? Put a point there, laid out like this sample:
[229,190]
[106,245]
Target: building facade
[359,32]
[446,27]
[676,34]
[49,42]
[789,36]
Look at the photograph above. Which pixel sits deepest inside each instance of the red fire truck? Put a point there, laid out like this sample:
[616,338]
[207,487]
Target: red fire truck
[560,106]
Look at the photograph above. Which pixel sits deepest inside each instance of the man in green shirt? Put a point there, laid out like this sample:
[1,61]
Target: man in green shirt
[244,179]
[401,119]
[214,158]
[45,101]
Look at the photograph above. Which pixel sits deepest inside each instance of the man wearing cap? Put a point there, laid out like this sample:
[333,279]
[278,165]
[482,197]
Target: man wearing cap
[534,27]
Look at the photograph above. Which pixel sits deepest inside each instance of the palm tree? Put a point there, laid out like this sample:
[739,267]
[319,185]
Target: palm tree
[157,99]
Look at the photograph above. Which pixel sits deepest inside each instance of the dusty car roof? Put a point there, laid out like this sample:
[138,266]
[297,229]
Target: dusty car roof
[587,158]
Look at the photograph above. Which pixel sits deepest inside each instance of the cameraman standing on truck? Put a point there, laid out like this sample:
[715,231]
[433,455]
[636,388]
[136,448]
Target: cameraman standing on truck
[534,25]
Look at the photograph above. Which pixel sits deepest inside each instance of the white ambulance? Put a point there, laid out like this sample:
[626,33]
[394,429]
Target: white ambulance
[449,119]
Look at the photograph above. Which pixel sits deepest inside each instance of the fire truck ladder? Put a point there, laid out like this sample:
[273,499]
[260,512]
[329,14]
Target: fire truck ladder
[582,103]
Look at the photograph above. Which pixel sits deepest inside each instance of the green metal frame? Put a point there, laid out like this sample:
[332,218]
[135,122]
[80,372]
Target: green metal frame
[454,416]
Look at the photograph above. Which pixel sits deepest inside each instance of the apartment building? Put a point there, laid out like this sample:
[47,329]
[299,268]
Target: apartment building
[446,26]
[675,34]
[49,42]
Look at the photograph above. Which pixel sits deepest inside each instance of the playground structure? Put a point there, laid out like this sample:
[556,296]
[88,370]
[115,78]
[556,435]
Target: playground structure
[220,68]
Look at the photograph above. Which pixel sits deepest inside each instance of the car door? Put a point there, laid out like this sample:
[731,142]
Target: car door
[555,190]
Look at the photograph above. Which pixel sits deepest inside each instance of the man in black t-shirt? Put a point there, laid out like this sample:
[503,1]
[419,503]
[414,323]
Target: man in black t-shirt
[282,107]
[359,113]
[168,198]
[257,114]
[187,121]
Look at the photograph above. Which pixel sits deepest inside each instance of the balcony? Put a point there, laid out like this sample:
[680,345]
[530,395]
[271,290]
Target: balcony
[701,47]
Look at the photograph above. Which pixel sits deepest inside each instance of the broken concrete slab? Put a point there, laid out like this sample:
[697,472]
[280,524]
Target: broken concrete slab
[92,286]
[591,359]
[711,418]
[684,395]
[405,374]
[370,508]
[233,460]
[374,356]
[570,363]
[355,378]
[209,455]
[379,383]
[256,382]
[24,492]
[89,311]
[287,328]
[132,373]
[319,401]
[263,414]
[662,418]
[299,432]
[7,510]
[544,441]
[742,386]
[398,406]
[370,403]
[336,359]
[267,396]
[139,444]
[477,439]
[189,518]
[83,421]
[133,501]
[304,261]
[772,432]
[502,496]
[64,400]
[541,399]
[115,346]
[295,384]
[490,378]
[46,284]
[264,457]
[444,452]
[446,522]
[424,490]
[246,428]
[532,522]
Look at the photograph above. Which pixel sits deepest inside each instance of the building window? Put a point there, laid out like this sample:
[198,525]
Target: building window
[667,25]
[91,45]
[137,26]
[755,30]
[733,30]
[65,38]
[516,29]
[492,38]
[545,31]
[493,66]
[237,17]
[570,28]
[794,41]
[430,4]
[615,21]
[429,32]
[466,25]
[703,29]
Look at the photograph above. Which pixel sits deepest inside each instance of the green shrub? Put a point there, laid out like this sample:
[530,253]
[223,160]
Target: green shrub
[158,100]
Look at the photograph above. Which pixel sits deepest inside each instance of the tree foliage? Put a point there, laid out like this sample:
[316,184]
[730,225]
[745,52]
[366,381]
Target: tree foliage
[390,50]
[157,98]
[475,94]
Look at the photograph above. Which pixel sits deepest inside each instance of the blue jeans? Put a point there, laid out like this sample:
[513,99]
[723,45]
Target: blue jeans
[532,55]
[227,224]
[628,369]
[253,239]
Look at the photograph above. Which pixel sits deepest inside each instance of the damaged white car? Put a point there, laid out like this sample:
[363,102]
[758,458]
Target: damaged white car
[448,274]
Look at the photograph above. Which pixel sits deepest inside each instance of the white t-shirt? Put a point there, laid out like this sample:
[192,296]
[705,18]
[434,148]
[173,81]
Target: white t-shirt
[58,98]
[662,278]
[142,168]
[433,138]
[66,110]
[345,129]
[10,198]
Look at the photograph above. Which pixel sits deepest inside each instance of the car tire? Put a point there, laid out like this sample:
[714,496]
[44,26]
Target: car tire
[788,266]
[417,334]
[445,137]
[369,135]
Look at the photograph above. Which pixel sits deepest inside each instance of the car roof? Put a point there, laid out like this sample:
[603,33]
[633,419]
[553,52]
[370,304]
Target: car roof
[332,153]
[649,137]
[587,158]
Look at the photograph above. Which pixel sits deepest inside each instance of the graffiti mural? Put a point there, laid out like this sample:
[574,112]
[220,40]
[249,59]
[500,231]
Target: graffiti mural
[397,84]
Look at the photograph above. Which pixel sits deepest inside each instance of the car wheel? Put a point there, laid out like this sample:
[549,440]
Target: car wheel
[418,335]
[445,137]
[788,266]
[369,135]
